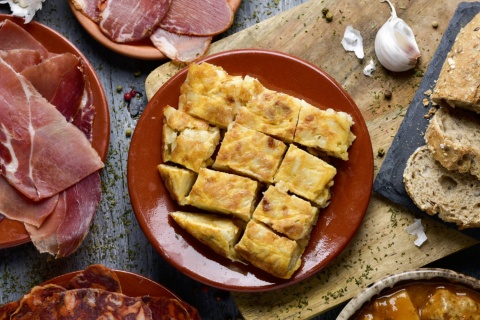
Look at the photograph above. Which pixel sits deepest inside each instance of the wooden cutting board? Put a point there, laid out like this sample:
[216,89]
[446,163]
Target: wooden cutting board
[381,246]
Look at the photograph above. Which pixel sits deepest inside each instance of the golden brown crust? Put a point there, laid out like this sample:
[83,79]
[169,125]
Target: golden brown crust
[458,83]
[250,153]
[224,193]
[268,251]
[178,181]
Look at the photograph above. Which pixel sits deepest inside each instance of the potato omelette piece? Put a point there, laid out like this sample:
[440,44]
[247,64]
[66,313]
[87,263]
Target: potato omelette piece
[249,152]
[306,176]
[224,193]
[213,95]
[286,214]
[268,251]
[188,141]
[220,233]
[178,181]
[326,130]
[273,113]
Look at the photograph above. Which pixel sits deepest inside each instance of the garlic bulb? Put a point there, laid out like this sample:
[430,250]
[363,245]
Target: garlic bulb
[395,44]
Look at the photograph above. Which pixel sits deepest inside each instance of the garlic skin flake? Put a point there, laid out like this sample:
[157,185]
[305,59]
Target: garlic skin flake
[353,41]
[369,68]
[24,8]
[395,44]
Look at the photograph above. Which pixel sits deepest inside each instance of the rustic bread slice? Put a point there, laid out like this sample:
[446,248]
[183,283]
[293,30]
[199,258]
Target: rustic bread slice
[458,83]
[453,195]
[453,137]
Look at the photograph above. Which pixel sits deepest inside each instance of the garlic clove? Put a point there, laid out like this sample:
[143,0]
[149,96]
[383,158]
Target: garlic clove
[395,45]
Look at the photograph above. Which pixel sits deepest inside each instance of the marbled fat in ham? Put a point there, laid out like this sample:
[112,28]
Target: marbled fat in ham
[41,153]
[179,47]
[126,21]
[89,8]
[198,18]
[12,36]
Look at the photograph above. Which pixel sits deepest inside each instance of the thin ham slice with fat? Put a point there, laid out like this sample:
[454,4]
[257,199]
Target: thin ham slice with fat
[89,8]
[126,21]
[41,153]
[180,47]
[198,18]
[19,59]
[12,36]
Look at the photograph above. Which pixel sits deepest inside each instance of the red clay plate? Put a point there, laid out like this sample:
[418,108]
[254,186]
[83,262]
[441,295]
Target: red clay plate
[337,223]
[143,49]
[132,284]
[13,233]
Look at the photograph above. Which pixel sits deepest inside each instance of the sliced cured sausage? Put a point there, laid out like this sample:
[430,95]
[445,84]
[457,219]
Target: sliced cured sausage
[35,298]
[179,47]
[41,153]
[8,309]
[126,21]
[96,276]
[198,18]
[166,308]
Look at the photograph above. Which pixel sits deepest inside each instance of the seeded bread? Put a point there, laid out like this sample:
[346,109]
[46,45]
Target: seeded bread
[458,84]
[453,137]
[454,196]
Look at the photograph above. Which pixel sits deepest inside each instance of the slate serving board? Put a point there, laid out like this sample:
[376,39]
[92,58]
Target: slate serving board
[389,180]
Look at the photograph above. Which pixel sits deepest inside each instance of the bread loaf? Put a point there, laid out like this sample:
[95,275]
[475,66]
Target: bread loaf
[458,83]
[454,196]
[453,137]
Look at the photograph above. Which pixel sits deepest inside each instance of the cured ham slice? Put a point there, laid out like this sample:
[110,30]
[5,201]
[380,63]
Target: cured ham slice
[64,230]
[126,21]
[178,47]
[89,8]
[16,206]
[41,153]
[61,81]
[12,36]
[198,18]
[19,59]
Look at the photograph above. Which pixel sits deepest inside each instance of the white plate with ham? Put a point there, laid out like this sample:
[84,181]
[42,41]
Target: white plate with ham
[181,30]
[54,135]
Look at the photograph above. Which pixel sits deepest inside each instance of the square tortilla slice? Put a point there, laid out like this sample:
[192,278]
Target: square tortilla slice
[219,233]
[249,152]
[286,214]
[268,251]
[306,176]
[273,113]
[178,181]
[224,193]
[326,130]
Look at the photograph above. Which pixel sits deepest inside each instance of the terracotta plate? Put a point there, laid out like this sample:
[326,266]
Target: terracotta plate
[133,284]
[337,223]
[143,49]
[13,233]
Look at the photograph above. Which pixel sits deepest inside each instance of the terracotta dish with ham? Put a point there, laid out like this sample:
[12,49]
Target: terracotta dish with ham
[47,161]
[181,30]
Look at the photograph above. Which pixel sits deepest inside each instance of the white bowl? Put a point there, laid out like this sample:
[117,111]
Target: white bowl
[418,274]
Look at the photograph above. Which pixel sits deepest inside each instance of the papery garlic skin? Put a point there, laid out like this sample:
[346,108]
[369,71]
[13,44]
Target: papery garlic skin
[24,8]
[353,41]
[395,45]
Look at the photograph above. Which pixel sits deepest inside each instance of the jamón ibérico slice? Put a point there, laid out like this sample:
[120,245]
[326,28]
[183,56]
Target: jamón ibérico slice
[198,18]
[41,153]
[19,59]
[12,36]
[64,230]
[126,21]
[16,206]
[61,81]
[89,8]
[179,47]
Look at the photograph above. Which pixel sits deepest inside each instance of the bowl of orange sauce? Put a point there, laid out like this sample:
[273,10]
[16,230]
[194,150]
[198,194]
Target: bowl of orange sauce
[423,294]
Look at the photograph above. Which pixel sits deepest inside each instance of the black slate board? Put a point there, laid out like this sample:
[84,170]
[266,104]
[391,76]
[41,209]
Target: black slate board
[389,180]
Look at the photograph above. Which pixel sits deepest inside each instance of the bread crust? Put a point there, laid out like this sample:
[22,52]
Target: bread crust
[453,137]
